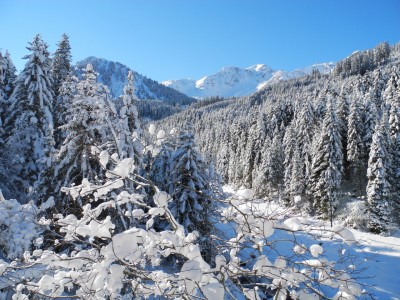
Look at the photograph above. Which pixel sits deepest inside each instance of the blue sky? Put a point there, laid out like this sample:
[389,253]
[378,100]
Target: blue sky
[190,38]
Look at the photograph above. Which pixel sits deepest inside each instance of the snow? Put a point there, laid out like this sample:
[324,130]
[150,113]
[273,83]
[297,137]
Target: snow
[49,203]
[316,250]
[161,134]
[161,199]
[376,257]
[213,290]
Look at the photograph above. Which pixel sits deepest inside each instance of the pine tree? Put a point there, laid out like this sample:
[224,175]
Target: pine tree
[61,63]
[297,183]
[191,192]
[369,123]
[378,188]
[129,130]
[62,114]
[289,147]
[2,93]
[161,167]
[305,123]
[253,147]
[327,166]
[10,75]
[381,53]
[62,72]
[7,78]
[270,170]
[354,143]
[394,122]
[29,120]
[87,130]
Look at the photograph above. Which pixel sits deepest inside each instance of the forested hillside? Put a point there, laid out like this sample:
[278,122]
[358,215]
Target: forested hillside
[318,143]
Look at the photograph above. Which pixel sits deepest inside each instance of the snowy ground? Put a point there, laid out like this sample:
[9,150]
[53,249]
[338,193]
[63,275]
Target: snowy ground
[377,258]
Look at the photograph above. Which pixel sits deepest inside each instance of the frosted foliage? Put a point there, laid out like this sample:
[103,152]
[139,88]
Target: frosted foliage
[161,199]
[117,242]
[19,227]
[161,134]
[133,257]
[152,129]
[214,290]
[123,168]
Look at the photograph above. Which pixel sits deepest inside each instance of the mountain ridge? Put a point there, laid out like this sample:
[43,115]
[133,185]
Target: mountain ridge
[234,81]
[114,76]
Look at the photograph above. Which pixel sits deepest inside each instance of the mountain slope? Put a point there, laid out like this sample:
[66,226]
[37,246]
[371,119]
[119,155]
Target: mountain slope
[237,82]
[114,74]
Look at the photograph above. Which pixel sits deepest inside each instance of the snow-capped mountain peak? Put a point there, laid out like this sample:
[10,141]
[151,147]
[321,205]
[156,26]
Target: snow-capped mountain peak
[234,81]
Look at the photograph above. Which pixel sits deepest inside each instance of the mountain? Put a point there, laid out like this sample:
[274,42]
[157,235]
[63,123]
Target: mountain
[114,74]
[237,82]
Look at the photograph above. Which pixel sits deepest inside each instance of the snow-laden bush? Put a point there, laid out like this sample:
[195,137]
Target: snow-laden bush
[17,227]
[355,215]
[110,264]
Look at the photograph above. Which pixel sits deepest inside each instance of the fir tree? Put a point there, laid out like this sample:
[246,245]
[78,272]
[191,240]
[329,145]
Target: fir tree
[394,122]
[7,78]
[61,63]
[191,192]
[2,93]
[61,68]
[327,166]
[305,123]
[289,146]
[369,123]
[270,170]
[9,75]
[297,183]
[86,131]
[354,144]
[378,188]
[129,130]
[29,120]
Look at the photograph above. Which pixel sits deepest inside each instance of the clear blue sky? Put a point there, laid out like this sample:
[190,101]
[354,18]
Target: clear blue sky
[191,38]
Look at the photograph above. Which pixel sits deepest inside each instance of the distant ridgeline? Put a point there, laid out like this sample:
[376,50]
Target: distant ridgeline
[309,140]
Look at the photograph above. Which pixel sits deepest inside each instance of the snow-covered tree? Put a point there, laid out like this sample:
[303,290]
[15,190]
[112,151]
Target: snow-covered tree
[327,165]
[7,78]
[378,188]
[61,63]
[270,169]
[2,91]
[129,129]
[394,123]
[370,119]
[305,123]
[354,143]
[62,72]
[87,131]
[30,146]
[191,192]
[161,167]
[381,53]
[9,75]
